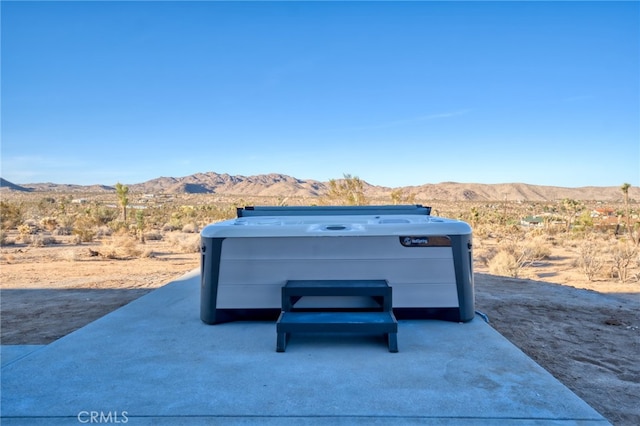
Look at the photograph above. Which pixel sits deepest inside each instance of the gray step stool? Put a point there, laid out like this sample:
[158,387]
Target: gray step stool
[293,320]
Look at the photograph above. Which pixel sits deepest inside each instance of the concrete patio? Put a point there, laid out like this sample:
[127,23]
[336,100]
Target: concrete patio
[154,362]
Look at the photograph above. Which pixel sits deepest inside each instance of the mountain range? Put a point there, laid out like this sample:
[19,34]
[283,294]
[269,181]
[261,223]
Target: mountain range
[279,185]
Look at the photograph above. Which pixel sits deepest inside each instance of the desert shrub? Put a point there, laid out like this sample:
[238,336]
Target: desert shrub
[215,213]
[62,230]
[505,234]
[553,229]
[515,252]
[41,241]
[37,241]
[590,258]
[85,235]
[537,233]
[622,255]
[504,264]
[24,230]
[47,200]
[526,252]
[584,222]
[153,236]
[65,221]
[77,240]
[552,240]
[148,253]
[176,221]
[84,227]
[49,223]
[538,248]
[190,228]
[103,231]
[120,247]
[3,238]
[33,224]
[103,215]
[570,243]
[10,214]
[49,240]
[169,227]
[189,243]
[155,216]
[482,255]
[346,191]
[118,227]
[482,231]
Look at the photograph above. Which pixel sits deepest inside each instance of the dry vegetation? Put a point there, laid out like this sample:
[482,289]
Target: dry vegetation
[599,241]
[81,241]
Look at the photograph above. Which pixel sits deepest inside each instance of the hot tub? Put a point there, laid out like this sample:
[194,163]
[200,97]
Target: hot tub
[426,260]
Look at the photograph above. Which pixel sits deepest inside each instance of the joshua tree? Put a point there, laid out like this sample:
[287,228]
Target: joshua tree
[122,191]
[398,196]
[349,190]
[625,191]
[572,208]
[140,225]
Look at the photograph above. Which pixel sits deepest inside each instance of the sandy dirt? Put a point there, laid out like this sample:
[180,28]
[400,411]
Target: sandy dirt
[588,340]
[48,292]
[587,334]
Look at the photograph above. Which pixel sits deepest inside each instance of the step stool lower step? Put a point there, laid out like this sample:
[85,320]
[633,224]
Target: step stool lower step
[337,322]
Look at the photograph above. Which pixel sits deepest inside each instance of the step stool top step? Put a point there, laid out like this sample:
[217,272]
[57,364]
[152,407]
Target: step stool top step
[336,283]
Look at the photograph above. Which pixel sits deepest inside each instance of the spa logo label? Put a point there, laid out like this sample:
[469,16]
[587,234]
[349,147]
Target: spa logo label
[418,241]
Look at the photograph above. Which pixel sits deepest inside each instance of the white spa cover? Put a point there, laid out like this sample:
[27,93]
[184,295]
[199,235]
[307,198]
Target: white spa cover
[324,226]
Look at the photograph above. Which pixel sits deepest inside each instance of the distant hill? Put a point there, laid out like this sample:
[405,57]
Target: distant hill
[5,184]
[213,183]
[279,185]
[517,191]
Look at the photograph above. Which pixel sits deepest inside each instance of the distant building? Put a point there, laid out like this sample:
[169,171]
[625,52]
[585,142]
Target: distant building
[605,217]
[532,221]
[603,212]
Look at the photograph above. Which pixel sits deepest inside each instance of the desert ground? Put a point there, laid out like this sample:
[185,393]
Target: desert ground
[587,334]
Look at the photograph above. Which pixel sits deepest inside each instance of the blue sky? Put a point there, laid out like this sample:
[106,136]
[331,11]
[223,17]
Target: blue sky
[397,93]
